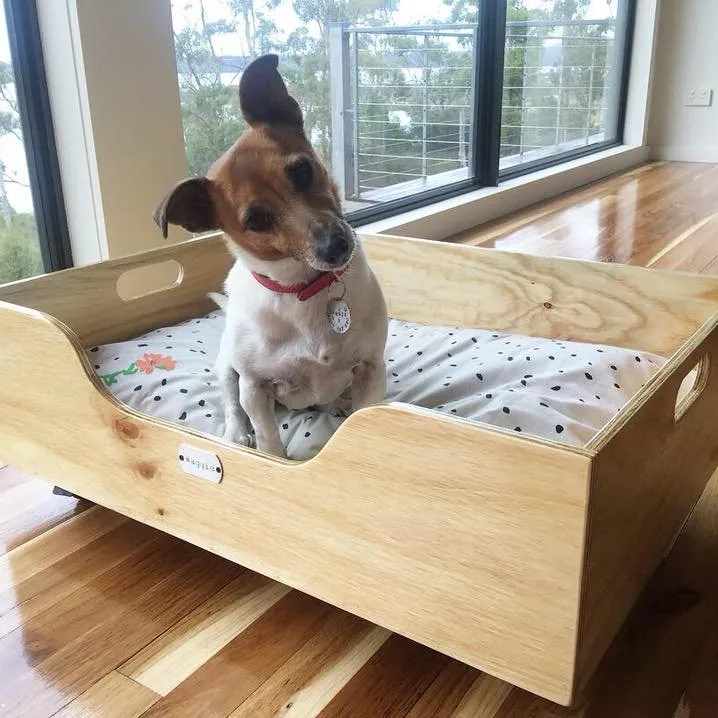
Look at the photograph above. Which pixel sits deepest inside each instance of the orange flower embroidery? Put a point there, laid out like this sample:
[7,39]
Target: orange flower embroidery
[149,362]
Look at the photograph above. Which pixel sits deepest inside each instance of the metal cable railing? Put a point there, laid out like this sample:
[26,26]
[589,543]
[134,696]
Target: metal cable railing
[402,98]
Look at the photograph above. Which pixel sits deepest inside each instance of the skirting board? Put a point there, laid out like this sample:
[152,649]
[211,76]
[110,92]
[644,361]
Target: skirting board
[680,153]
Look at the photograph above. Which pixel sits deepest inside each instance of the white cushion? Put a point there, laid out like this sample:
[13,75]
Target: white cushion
[560,390]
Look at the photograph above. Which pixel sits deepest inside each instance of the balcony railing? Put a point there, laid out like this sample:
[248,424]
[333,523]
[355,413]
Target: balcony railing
[402,100]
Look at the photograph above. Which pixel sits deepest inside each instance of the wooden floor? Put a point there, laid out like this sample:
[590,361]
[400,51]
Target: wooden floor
[102,616]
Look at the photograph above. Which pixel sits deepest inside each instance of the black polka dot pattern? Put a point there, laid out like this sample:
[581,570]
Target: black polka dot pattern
[554,389]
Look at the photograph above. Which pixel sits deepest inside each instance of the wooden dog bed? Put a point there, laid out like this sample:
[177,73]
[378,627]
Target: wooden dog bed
[517,555]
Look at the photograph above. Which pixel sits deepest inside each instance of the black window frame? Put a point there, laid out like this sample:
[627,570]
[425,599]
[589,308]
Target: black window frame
[38,133]
[487,100]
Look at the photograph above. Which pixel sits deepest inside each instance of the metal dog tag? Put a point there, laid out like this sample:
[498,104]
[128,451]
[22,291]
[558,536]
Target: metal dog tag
[339,316]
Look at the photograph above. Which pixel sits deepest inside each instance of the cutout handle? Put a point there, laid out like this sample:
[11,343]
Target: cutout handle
[691,387]
[149,279]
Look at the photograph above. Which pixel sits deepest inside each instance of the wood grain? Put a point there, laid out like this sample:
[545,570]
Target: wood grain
[541,296]
[298,687]
[576,212]
[38,511]
[86,298]
[329,679]
[235,672]
[113,696]
[507,639]
[177,653]
[32,557]
[114,617]
[628,218]
[446,692]
[625,545]
[448,284]
[390,683]
[61,581]
[485,696]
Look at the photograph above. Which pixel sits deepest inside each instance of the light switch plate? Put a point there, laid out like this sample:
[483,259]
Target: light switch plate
[700,97]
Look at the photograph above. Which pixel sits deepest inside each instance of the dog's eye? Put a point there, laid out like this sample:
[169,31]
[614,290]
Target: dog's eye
[301,173]
[258,219]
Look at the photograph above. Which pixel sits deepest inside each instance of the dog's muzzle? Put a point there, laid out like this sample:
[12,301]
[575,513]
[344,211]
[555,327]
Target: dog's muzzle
[335,246]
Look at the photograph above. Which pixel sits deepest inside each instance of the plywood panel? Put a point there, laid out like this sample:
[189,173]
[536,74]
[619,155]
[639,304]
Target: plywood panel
[541,296]
[369,528]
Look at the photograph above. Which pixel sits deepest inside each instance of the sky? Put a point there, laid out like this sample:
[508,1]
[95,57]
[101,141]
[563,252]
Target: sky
[409,12]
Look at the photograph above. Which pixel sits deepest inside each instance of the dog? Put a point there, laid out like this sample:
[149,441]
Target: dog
[306,317]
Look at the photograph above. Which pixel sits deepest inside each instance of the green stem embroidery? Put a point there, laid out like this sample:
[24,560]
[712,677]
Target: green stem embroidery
[111,377]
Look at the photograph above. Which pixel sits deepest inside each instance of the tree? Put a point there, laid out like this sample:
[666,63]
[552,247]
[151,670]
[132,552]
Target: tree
[19,247]
[210,113]
[9,125]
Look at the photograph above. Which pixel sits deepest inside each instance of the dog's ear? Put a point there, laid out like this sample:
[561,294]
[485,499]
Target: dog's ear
[189,204]
[263,95]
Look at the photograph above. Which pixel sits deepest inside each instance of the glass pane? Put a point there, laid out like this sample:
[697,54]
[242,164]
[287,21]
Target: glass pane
[19,245]
[385,85]
[562,73]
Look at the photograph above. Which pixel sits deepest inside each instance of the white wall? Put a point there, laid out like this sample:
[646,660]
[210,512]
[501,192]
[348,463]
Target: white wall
[686,58]
[112,78]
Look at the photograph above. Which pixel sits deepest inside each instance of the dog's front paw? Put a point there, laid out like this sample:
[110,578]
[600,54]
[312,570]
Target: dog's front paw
[237,434]
[276,448]
[341,407]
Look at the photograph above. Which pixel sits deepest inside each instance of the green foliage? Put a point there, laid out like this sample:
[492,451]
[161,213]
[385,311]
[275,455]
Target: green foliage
[212,122]
[210,112]
[19,248]
[9,118]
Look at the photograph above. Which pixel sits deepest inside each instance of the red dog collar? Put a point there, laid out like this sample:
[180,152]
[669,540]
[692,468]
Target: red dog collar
[302,290]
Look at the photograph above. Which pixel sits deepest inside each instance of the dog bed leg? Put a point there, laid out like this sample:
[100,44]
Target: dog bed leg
[61,492]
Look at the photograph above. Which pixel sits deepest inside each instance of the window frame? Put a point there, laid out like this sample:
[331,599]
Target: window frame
[625,20]
[109,204]
[489,78]
[26,52]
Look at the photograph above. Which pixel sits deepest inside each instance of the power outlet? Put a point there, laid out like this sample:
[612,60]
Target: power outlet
[700,97]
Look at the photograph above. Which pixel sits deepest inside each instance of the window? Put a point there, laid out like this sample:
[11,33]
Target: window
[33,230]
[563,80]
[412,102]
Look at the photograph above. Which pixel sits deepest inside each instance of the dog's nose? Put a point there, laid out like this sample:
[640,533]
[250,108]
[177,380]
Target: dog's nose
[335,247]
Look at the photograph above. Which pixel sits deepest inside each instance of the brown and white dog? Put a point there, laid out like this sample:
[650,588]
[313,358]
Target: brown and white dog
[306,318]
